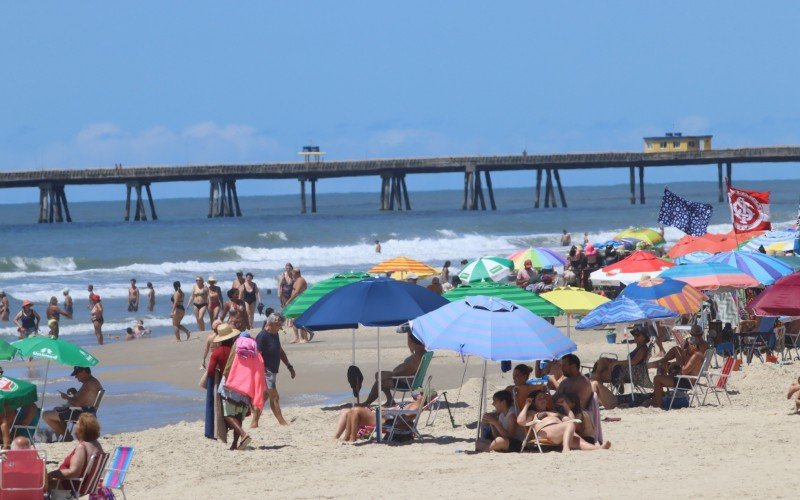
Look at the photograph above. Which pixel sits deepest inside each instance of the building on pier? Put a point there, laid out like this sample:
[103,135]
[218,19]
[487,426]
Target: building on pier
[676,142]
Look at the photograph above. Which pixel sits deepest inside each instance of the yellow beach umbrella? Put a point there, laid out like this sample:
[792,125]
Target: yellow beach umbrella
[573,300]
[399,267]
[645,234]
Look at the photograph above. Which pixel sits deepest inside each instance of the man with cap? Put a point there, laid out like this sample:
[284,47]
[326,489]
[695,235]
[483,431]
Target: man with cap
[412,278]
[269,345]
[27,320]
[526,275]
[76,402]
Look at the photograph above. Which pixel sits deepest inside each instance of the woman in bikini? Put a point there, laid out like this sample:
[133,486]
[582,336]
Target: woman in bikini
[360,419]
[96,315]
[178,312]
[235,307]
[200,302]
[555,427]
[215,299]
[251,296]
[54,313]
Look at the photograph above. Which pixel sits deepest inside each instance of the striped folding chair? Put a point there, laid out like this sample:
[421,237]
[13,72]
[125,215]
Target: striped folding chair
[117,469]
[718,381]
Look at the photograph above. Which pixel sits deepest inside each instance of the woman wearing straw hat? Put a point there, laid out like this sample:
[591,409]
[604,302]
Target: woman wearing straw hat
[234,406]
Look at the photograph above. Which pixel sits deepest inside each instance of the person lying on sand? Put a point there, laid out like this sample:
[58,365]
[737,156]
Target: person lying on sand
[557,428]
[358,420]
[794,390]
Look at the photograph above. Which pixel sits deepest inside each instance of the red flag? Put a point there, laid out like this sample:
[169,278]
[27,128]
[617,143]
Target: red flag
[749,210]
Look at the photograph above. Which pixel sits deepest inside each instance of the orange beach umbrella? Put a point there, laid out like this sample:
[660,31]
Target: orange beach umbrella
[403,265]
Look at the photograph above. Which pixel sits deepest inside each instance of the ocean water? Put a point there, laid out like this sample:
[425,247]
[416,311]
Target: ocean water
[38,260]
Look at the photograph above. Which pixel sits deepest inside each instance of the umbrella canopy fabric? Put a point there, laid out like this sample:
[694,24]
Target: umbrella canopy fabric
[780,299]
[790,260]
[574,300]
[60,351]
[539,256]
[7,351]
[709,242]
[762,267]
[781,238]
[710,276]
[627,244]
[636,266]
[486,269]
[675,295]
[519,296]
[650,236]
[693,258]
[403,264]
[624,310]
[493,329]
[315,292]
[370,302]
[15,393]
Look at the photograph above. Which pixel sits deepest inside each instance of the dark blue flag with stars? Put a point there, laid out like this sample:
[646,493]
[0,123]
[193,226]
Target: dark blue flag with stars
[688,216]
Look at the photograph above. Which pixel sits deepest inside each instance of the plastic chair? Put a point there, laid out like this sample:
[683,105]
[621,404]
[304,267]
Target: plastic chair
[23,475]
[117,469]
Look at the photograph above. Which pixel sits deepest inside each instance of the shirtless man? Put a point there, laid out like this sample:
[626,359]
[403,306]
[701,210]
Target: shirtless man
[692,365]
[54,314]
[151,297]
[238,283]
[67,301]
[299,285]
[90,289]
[133,297]
[566,239]
[4,312]
[408,367]
[84,398]
[574,382]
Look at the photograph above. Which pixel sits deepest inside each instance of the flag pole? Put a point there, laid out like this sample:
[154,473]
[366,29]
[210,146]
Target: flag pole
[733,227]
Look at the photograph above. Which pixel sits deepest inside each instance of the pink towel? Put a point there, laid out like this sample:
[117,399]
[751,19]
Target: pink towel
[247,375]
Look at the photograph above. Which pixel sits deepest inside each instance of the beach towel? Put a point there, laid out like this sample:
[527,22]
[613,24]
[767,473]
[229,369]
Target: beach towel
[209,427]
[220,428]
[247,374]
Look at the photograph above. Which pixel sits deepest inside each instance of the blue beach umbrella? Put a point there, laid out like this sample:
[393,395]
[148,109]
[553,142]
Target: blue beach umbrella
[766,269]
[493,329]
[624,310]
[372,302]
[693,258]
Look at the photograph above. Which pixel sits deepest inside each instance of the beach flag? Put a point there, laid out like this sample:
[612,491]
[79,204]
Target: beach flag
[749,210]
[690,217]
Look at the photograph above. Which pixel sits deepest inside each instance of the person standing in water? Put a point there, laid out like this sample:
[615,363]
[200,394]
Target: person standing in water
[133,297]
[215,299]
[285,284]
[90,289]
[67,302]
[377,246]
[4,312]
[96,315]
[178,312]
[53,314]
[566,239]
[151,297]
[200,302]
[251,296]
[27,320]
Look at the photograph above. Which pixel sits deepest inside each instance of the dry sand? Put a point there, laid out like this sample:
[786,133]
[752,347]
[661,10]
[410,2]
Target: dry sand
[747,449]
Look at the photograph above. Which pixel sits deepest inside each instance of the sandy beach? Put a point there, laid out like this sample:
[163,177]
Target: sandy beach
[747,449]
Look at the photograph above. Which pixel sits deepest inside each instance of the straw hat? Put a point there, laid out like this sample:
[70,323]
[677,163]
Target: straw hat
[225,332]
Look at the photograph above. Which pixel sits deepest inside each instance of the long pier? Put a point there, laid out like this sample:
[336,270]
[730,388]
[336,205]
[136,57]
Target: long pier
[224,200]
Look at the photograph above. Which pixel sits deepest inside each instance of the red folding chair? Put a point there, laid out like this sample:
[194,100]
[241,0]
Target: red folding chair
[718,381]
[23,475]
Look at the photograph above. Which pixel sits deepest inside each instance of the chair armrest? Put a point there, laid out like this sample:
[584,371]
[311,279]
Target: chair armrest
[688,377]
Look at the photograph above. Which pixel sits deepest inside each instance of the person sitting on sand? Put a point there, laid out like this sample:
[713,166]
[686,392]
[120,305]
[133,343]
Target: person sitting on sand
[520,375]
[358,420]
[87,430]
[506,434]
[608,370]
[574,381]
[407,368]
[557,428]
[794,390]
[84,399]
[691,366]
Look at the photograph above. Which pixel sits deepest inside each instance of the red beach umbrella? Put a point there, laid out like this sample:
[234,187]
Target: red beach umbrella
[780,299]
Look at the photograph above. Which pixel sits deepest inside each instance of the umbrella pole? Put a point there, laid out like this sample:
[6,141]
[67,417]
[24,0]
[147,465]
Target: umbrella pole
[353,361]
[44,391]
[378,420]
[569,325]
[480,403]
[630,370]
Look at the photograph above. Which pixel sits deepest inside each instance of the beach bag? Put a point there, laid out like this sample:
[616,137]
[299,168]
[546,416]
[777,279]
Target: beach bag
[102,493]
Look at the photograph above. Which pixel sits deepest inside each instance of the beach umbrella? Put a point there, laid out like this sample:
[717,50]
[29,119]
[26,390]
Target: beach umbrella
[764,268]
[492,329]
[778,239]
[539,256]
[782,298]
[638,265]
[675,295]
[709,242]
[710,276]
[7,351]
[573,301]
[402,266]
[318,290]
[15,393]
[650,236]
[792,261]
[519,296]
[486,269]
[370,302]
[627,244]
[692,258]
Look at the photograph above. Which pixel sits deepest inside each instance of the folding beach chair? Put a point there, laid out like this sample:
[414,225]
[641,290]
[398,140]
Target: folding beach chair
[702,375]
[407,384]
[405,420]
[76,412]
[792,343]
[29,431]
[726,349]
[717,382]
[23,475]
[92,475]
[751,342]
[117,469]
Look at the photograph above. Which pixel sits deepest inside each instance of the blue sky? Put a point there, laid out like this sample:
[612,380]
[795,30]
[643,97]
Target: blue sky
[98,83]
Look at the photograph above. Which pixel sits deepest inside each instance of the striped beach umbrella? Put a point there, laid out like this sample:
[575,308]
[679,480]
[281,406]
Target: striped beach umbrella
[515,294]
[318,290]
[764,268]
[486,269]
[539,256]
[778,239]
[638,265]
[710,276]
[403,265]
[624,310]
[693,258]
[645,234]
[675,295]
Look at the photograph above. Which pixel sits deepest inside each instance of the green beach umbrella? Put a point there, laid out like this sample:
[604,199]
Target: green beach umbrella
[7,351]
[60,351]
[16,393]
[315,292]
[522,298]
[486,269]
